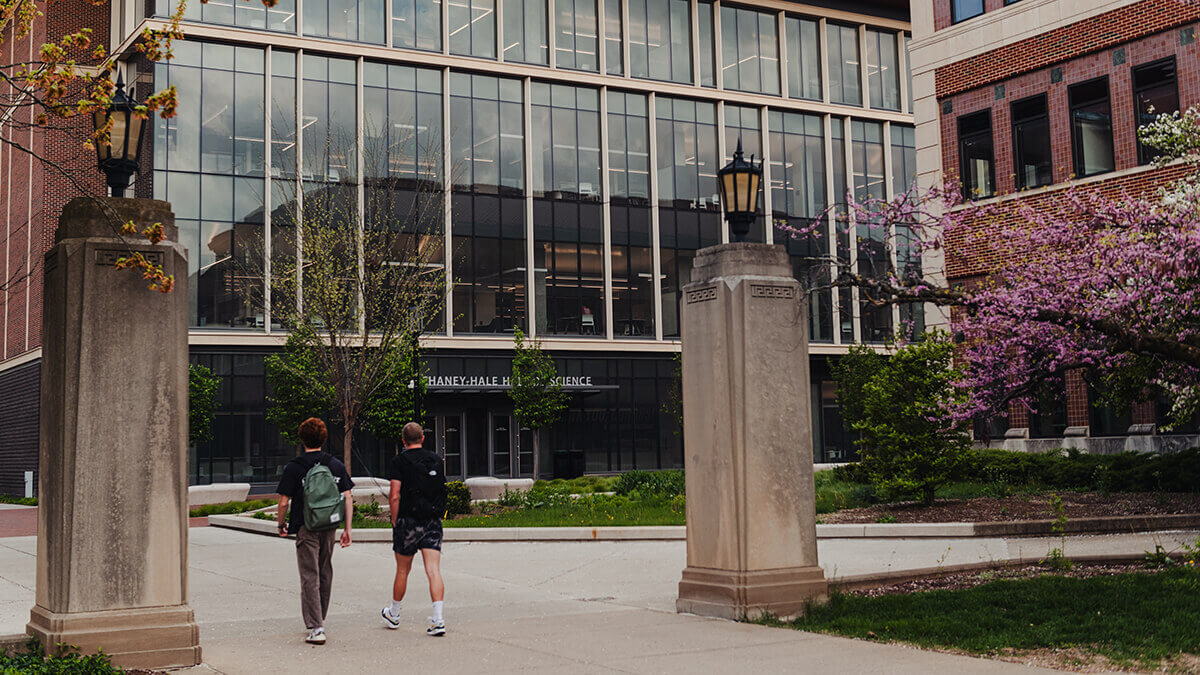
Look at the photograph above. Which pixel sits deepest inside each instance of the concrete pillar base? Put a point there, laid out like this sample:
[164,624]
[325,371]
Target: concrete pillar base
[729,594]
[150,637]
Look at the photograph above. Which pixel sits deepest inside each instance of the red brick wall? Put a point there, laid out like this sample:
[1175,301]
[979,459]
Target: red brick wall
[1077,400]
[1098,33]
[29,223]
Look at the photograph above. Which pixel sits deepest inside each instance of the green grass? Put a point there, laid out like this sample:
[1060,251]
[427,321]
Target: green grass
[1129,618]
[835,495]
[23,501]
[580,486]
[231,507]
[584,512]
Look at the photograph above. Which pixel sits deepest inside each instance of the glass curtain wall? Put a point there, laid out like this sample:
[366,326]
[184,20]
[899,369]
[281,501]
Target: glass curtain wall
[614,52]
[838,172]
[208,163]
[472,28]
[745,124]
[908,251]
[487,142]
[704,20]
[629,213]
[575,44]
[284,184]
[402,165]
[281,17]
[525,32]
[798,192]
[568,210]
[883,69]
[417,24]
[804,58]
[845,78]
[874,258]
[689,214]
[660,45]
[356,20]
[749,50]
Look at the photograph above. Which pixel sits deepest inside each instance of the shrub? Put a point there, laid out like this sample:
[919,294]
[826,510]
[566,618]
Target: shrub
[23,501]
[458,498]
[898,404]
[230,507]
[33,660]
[669,483]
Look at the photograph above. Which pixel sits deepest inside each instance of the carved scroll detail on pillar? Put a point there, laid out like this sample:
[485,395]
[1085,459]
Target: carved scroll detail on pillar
[777,292]
[110,257]
[701,295]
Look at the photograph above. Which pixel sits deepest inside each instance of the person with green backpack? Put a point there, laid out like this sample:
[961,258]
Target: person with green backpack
[317,486]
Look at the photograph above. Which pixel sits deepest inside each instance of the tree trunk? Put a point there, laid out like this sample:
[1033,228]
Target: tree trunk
[347,439]
[537,453]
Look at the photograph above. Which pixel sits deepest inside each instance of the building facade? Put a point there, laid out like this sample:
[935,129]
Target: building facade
[1022,99]
[570,150]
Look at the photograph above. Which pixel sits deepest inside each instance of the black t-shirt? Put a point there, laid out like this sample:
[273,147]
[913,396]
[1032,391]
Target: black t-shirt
[419,495]
[291,484]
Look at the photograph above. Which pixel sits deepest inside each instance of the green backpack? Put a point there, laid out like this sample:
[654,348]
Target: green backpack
[324,504]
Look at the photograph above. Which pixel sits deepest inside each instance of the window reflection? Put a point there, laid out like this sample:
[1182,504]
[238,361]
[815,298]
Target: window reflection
[660,46]
[357,20]
[472,28]
[749,51]
[614,55]
[883,69]
[804,58]
[417,24]
[525,37]
[845,80]
[488,207]
[874,258]
[568,216]
[575,44]
[689,213]
[281,17]
[797,199]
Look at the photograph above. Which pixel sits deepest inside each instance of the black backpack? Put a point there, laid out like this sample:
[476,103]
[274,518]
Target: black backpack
[423,490]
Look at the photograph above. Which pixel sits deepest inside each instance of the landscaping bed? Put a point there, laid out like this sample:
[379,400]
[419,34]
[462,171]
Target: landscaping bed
[1088,618]
[1030,506]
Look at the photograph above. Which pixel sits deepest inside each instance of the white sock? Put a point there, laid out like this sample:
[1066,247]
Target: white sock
[437,611]
[395,610]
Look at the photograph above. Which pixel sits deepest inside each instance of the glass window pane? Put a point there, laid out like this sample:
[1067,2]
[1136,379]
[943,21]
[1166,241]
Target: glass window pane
[660,40]
[357,20]
[417,24]
[1156,92]
[961,10]
[976,156]
[1091,127]
[804,58]
[614,55]
[883,70]
[472,29]
[1033,163]
[845,79]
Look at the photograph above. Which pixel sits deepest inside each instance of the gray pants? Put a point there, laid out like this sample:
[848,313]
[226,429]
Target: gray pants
[314,554]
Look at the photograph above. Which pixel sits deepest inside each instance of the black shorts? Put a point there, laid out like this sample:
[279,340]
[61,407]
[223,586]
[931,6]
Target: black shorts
[411,535]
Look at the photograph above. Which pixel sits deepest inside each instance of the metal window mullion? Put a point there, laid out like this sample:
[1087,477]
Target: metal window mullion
[299,180]
[718,48]
[901,70]
[360,190]
[852,229]
[445,30]
[656,253]
[863,84]
[499,29]
[447,186]
[606,198]
[530,272]
[823,59]
[267,171]
[601,39]
[299,17]
[388,21]
[721,152]
[781,36]
[831,242]
[768,212]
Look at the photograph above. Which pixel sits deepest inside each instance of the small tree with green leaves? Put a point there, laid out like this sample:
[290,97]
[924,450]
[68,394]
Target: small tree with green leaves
[536,392]
[399,397]
[899,404]
[299,385]
[202,402]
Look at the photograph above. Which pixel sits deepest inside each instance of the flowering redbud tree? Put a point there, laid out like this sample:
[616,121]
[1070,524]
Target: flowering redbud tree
[1076,281]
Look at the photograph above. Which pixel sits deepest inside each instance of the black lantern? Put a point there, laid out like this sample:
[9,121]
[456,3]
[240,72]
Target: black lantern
[739,182]
[119,156]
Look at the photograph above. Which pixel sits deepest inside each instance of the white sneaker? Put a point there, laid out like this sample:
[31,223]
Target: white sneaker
[389,620]
[316,636]
[436,628]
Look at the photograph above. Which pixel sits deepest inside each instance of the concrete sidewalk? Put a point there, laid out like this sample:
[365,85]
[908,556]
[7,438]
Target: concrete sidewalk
[529,607]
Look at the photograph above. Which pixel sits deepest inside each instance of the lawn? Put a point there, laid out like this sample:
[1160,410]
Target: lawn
[582,512]
[1131,619]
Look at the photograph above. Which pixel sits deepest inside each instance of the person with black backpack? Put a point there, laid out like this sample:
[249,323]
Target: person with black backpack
[418,502]
[317,487]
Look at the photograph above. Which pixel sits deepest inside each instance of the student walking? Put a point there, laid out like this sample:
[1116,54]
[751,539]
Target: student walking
[418,502]
[317,487]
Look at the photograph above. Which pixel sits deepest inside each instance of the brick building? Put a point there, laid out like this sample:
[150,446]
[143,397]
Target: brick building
[1021,99]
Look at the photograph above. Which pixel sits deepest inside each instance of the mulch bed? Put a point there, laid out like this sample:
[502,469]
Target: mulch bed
[1021,507]
[964,580]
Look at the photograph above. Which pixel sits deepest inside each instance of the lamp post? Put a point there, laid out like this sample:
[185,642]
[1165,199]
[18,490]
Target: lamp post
[118,155]
[739,181]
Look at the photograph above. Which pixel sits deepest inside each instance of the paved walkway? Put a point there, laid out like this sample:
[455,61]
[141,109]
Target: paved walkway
[531,607]
[21,521]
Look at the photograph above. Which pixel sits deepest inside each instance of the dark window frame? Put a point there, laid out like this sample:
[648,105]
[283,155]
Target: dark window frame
[1076,144]
[1147,154]
[962,165]
[1013,121]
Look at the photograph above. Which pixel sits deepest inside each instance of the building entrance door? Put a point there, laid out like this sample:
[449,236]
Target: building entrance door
[481,442]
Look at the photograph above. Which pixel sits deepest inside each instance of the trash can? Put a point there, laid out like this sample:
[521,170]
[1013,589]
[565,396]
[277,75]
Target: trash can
[578,463]
[568,464]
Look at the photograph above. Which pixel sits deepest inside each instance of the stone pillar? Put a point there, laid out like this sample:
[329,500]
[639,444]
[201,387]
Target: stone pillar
[748,449]
[112,516]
